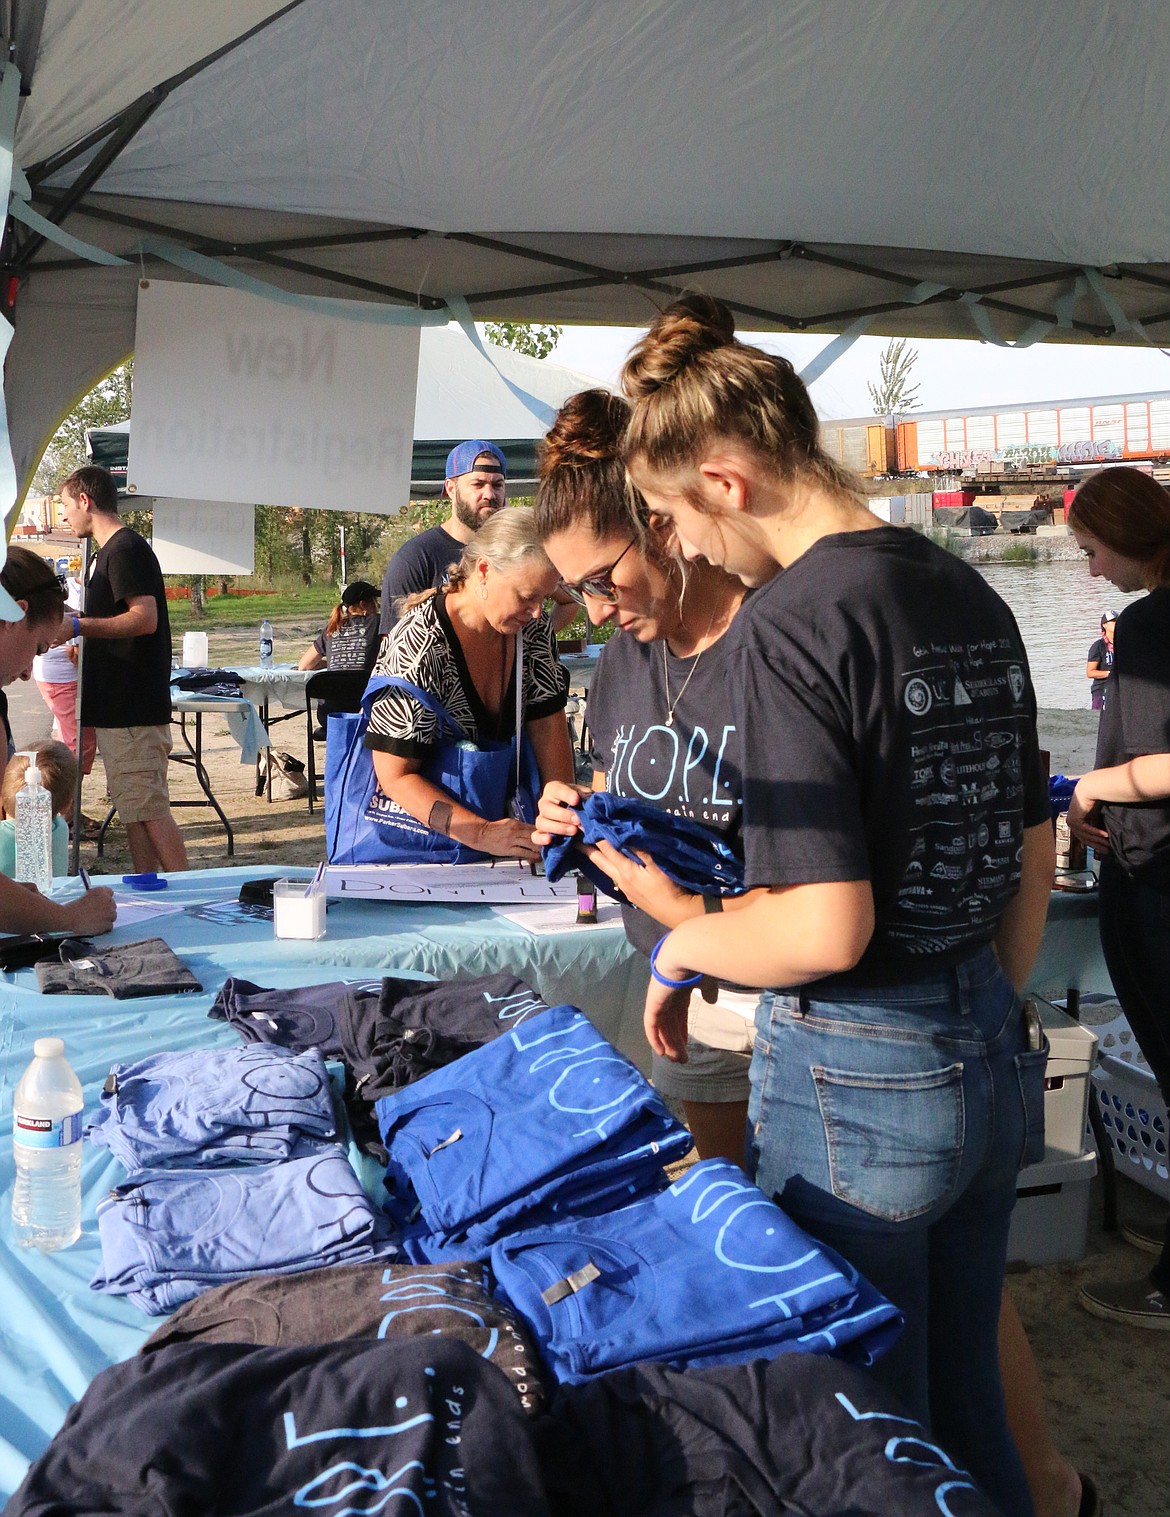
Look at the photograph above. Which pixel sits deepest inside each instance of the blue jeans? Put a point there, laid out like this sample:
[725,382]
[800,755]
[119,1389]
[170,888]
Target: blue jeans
[891,1125]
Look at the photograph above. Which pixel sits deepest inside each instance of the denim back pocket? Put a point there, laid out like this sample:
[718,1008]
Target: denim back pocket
[895,1141]
[1030,1069]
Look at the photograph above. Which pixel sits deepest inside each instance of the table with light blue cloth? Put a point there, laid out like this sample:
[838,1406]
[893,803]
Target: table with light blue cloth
[55,1333]
[265,683]
[239,712]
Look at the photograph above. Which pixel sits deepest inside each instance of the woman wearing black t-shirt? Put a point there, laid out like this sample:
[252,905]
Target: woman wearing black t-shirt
[897,836]
[1121,518]
[659,720]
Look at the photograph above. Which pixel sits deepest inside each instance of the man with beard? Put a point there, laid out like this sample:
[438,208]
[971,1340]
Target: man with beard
[476,473]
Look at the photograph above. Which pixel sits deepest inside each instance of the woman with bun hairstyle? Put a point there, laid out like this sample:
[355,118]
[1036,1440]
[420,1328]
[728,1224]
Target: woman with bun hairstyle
[659,720]
[1121,809]
[898,842]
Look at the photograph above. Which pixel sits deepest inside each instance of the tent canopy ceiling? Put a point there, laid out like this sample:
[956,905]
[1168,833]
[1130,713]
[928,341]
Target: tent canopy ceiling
[567,160]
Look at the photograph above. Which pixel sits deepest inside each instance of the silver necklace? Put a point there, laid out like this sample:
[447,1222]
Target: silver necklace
[671,705]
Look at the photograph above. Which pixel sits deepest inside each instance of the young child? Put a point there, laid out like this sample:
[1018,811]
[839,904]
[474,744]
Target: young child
[59,777]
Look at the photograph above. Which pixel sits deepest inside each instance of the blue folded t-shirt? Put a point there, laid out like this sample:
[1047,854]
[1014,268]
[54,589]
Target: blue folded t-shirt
[709,1271]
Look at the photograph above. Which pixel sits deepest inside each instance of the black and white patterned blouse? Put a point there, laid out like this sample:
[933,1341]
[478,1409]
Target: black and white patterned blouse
[424,649]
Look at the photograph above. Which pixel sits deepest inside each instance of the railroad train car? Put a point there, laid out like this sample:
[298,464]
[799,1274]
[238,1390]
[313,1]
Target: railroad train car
[989,440]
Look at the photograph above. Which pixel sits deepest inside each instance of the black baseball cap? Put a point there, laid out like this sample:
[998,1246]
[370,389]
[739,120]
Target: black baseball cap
[358,590]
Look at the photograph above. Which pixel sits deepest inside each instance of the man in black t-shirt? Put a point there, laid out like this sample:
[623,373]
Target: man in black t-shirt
[126,691]
[475,483]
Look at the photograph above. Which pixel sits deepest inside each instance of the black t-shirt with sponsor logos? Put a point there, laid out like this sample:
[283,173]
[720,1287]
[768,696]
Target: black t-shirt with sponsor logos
[886,730]
[684,766]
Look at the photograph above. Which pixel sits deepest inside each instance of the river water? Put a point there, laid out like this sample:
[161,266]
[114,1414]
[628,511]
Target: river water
[1058,608]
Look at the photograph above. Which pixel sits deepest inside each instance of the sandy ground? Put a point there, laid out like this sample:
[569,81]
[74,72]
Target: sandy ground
[1106,1385]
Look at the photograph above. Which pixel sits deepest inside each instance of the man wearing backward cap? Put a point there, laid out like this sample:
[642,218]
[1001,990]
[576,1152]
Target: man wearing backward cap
[476,473]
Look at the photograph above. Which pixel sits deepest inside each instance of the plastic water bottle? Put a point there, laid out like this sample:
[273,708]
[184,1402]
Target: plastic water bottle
[46,1143]
[266,642]
[34,829]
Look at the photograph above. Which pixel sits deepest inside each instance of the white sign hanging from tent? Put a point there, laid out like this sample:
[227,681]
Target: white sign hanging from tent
[238,397]
[204,537]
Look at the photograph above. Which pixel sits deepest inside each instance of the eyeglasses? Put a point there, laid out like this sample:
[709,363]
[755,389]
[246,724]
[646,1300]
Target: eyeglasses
[599,586]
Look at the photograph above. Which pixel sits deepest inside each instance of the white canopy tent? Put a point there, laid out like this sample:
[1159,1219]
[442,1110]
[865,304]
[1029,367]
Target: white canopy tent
[930,167]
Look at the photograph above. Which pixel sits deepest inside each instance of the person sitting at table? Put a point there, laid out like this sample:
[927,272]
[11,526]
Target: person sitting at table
[348,642]
[34,592]
[58,771]
[459,644]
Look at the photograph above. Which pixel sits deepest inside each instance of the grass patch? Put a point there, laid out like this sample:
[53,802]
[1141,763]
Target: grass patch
[1022,552]
[277,604]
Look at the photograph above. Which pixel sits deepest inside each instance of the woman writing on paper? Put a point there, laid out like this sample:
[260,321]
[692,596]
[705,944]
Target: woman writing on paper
[458,645]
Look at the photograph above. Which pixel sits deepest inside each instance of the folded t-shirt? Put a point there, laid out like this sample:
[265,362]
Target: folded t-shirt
[122,970]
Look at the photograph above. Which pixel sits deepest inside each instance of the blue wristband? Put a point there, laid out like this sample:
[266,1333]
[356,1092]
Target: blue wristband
[76,627]
[688,984]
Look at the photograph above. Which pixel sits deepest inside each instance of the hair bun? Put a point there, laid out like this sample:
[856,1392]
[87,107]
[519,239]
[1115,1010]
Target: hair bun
[694,325]
[587,430]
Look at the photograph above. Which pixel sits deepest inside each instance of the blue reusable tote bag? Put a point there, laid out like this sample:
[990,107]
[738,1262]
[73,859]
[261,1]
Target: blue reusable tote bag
[364,826]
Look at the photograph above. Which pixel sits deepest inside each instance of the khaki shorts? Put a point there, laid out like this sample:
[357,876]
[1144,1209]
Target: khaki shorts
[135,759]
[719,1051]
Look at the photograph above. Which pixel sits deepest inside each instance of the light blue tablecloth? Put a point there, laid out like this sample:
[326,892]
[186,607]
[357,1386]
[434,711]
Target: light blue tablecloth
[243,720]
[55,1333]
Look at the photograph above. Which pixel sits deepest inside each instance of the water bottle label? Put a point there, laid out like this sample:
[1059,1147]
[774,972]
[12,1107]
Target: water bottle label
[43,1132]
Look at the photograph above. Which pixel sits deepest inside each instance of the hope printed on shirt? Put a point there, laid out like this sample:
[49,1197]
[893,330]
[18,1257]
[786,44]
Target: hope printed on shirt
[688,775]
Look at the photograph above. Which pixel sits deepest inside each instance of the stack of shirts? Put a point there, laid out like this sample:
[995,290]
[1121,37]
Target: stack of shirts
[389,1032]
[375,1300]
[184,1221]
[169,1234]
[549,1121]
[389,1429]
[203,681]
[707,1272]
[304,1017]
[210,1107]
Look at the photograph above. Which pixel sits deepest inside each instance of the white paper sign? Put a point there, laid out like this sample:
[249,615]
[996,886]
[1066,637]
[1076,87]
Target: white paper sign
[238,397]
[506,883]
[204,537]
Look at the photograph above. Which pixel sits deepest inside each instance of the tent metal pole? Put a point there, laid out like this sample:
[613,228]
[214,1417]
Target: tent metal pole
[75,841]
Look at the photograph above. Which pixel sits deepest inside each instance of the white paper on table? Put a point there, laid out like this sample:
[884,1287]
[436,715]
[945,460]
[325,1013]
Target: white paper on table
[507,883]
[559,916]
[134,910]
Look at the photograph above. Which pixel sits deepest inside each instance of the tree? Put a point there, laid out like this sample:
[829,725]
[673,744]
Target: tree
[106,403]
[894,394]
[523,336]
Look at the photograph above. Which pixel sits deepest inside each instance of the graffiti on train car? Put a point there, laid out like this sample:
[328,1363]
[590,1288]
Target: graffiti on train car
[1021,455]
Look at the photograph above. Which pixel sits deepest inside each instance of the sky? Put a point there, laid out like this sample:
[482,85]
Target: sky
[951,374]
